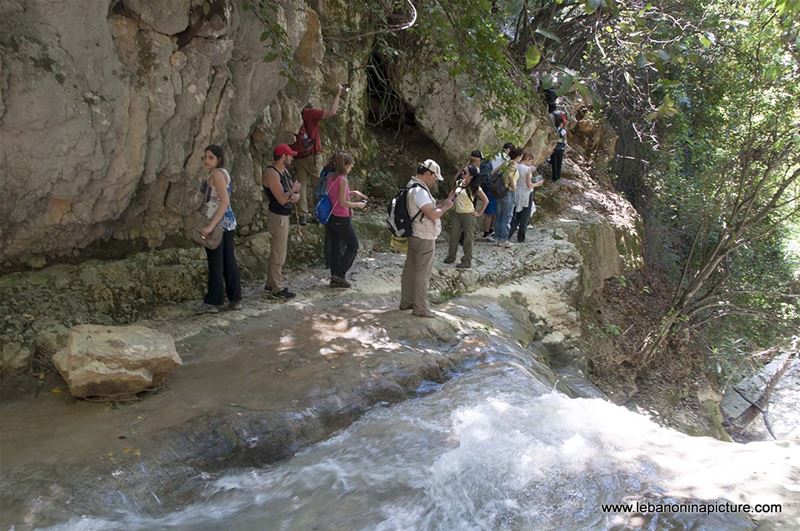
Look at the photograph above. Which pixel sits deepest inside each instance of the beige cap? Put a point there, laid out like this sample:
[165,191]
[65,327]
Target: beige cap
[434,167]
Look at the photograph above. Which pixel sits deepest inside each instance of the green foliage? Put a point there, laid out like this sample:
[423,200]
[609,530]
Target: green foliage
[274,35]
[724,178]
[466,38]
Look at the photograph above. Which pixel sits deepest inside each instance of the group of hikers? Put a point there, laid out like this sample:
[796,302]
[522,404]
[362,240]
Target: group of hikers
[500,191]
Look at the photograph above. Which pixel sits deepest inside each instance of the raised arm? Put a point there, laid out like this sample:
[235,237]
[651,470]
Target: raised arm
[334,108]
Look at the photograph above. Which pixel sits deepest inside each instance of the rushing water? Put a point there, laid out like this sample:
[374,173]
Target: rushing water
[494,448]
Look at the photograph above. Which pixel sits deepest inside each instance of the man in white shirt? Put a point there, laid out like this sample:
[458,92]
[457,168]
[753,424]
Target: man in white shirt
[426,226]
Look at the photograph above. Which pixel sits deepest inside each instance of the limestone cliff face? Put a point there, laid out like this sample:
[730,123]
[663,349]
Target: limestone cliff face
[106,107]
[457,122]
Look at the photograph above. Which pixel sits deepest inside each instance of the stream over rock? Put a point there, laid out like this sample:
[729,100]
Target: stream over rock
[490,438]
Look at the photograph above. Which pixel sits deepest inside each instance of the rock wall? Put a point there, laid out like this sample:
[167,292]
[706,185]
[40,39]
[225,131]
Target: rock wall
[457,123]
[105,109]
[108,105]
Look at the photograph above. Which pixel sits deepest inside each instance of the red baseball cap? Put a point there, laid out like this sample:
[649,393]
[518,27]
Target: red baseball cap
[284,149]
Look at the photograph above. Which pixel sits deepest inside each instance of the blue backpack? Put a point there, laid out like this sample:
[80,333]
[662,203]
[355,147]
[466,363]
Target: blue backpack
[322,186]
[324,207]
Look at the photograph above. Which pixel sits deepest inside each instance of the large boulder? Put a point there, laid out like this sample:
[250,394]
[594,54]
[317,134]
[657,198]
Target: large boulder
[457,122]
[116,361]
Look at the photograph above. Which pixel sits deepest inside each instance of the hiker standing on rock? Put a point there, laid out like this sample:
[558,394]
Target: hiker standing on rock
[523,197]
[282,194]
[488,167]
[308,146]
[339,230]
[557,156]
[426,223]
[222,267]
[467,190]
[505,204]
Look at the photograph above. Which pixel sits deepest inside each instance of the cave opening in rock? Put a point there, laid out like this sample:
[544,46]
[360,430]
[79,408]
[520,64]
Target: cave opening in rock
[387,110]
[402,144]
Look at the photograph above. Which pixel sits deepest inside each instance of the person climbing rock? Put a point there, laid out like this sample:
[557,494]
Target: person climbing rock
[308,146]
[282,195]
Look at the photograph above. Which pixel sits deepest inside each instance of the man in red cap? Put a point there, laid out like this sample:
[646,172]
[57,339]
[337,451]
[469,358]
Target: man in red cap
[309,151]
[282,193]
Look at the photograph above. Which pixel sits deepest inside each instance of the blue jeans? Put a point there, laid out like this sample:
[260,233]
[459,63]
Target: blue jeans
[502,222]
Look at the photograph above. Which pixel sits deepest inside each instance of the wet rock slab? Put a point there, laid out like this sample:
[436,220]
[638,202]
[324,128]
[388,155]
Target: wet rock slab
[250,393]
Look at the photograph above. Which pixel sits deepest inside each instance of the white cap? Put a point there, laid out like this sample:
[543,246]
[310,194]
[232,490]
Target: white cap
[434,167]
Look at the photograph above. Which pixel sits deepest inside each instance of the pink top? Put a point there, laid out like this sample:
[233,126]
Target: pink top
[333,193]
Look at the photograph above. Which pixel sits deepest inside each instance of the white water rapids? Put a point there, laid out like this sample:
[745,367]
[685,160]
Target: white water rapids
[494,448]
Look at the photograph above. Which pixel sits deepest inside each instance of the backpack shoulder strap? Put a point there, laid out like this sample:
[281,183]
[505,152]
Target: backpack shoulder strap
[409,188]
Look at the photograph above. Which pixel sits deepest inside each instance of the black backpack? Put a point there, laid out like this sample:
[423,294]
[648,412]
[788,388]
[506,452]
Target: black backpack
[485,173]
[497,185]
[400,221]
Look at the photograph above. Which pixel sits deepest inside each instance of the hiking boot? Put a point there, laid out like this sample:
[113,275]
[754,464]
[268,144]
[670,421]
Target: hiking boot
[303,219]
[206,308]
[235,305]
[462,265]
[339,282]
[283,295]
[449,260]
[427,313]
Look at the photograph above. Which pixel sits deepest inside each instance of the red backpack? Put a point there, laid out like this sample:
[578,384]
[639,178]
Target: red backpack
[303,143]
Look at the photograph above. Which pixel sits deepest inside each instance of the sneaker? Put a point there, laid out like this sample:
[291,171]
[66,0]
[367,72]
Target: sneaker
[449,260]
[235,305]
[462,265]
[503,243]
[339,282]
[406,306]
[303,219]
[206,308]
[283,294]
